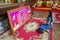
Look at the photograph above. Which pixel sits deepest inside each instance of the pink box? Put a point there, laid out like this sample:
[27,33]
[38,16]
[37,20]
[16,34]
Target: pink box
[19,16]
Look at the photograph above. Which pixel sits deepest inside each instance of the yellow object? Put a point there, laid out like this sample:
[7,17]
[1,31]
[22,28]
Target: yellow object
[47,3]
[44,8]
[40,3]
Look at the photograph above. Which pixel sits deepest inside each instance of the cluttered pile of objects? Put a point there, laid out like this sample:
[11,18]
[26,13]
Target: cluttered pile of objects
[44,3]
[27,26]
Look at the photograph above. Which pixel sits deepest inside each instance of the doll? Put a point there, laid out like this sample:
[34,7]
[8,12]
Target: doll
[47,25]
[55,4]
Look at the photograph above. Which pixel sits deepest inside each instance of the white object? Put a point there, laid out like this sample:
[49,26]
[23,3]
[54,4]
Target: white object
[31,26]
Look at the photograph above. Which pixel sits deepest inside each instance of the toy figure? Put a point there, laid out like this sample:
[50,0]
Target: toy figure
[55,4]
[51,3]
[46,26]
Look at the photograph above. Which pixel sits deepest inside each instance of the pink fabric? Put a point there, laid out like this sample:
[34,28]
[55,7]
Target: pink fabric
[23,34]
[18,17]
[51,34]
[57,18]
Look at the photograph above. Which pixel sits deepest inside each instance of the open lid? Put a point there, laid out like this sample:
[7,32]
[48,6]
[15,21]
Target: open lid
[18,17]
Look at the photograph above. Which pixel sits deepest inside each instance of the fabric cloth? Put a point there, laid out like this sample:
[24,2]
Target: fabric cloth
[47,26]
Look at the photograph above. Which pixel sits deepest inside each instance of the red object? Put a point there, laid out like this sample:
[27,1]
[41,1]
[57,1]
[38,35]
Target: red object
[44,10]
[57,17]
[27,35]
[51,34]
[58,6]
[18,17]
[40,8]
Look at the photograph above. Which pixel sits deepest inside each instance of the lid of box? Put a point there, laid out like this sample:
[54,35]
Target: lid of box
[18,17]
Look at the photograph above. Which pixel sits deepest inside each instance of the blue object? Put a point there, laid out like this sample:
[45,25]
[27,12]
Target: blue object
[47,26]
[49,19]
